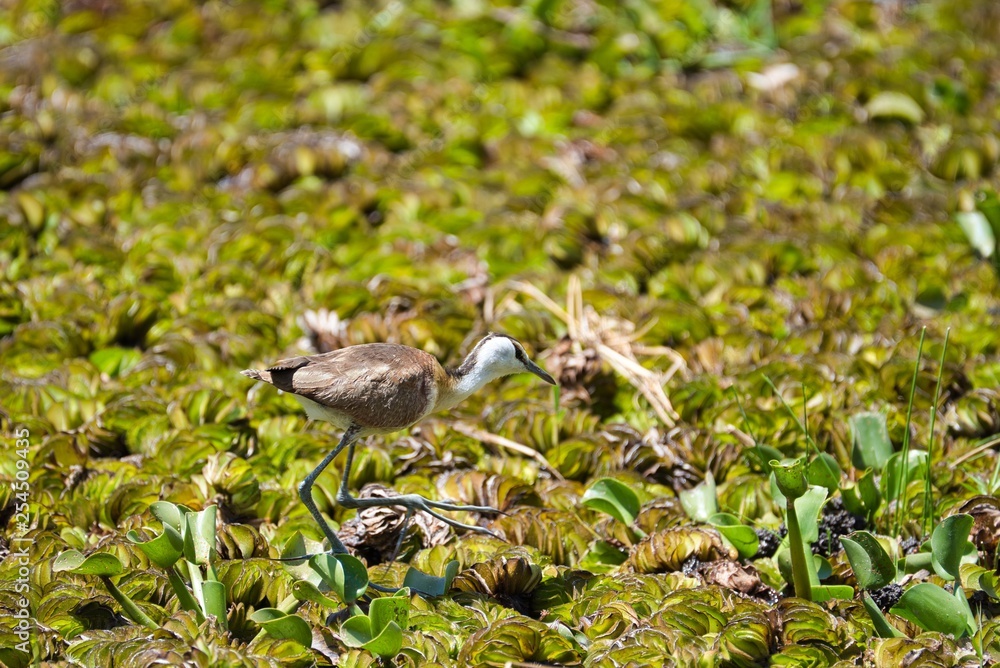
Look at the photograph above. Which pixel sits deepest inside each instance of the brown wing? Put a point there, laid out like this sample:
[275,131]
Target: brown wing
[378,385]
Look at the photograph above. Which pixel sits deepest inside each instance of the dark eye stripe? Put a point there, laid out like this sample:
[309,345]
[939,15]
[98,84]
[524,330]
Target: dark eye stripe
[519,354]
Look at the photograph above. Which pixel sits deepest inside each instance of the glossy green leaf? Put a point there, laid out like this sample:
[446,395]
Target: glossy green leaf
[742,537]
[932,608]
[809,508]
[99,563]
[613,498]
[430,585]
[851,495]
[277,624]
[344,574]
[390,609]
[164,550]
[602,557]
[298,546]
[871,447]
[822,593]
[971,624]
[882,627]
[214,595]
[871,564]
[357,632]
[199,535]
[307,591]
[700,502]
[950,544]
[892,476]
[170,513]
[871,498]
[915,562]
[824,472]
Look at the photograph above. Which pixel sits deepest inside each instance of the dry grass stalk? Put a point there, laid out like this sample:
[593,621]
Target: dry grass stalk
[615,342]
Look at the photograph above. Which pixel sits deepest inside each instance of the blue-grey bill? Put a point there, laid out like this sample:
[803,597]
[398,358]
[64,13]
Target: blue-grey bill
[540,372]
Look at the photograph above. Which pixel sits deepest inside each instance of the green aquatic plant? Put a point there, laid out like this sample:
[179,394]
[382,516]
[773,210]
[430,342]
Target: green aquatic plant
[186,548]
[664,201]
[926,604]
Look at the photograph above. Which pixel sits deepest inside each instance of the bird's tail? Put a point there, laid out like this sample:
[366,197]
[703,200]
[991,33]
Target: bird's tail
[252,373]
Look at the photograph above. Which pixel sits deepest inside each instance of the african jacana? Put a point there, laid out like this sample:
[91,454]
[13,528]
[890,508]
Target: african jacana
[378,388]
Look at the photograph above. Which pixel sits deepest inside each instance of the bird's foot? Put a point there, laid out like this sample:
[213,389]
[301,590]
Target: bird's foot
[415,502]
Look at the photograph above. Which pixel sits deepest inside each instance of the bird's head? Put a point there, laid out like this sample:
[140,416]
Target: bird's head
[502,355]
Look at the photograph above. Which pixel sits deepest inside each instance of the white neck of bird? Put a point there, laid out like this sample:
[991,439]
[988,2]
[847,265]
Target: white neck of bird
[475,372]
[476,377]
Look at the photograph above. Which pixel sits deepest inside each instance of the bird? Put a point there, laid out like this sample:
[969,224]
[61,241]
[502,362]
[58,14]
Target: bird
[379,388]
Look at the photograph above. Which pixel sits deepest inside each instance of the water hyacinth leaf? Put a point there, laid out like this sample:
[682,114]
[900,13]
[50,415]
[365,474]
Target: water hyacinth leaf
[100,563]
[602,557]
[851,495]
[307,591]
[184,595]
[386,644]
[871,447]
[742,537]
[613,498]
[871,497]
[822,593]
[970,618]
[809,507]
[344,574]
[170,513]
[390,609]
[164,550]
[824,471]
[790,477]
[700,502]
[357,632]
[871,564]
[776,494]
[214,595]
[978,231]
[933,609]
[299,546]
[199,535]
[430,585]
[895,471]
[986,581]
[278,624]
[950,545]
[882,626]
[822,568]
[918,561]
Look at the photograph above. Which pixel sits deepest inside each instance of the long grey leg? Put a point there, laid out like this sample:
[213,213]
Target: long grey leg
[305,487]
